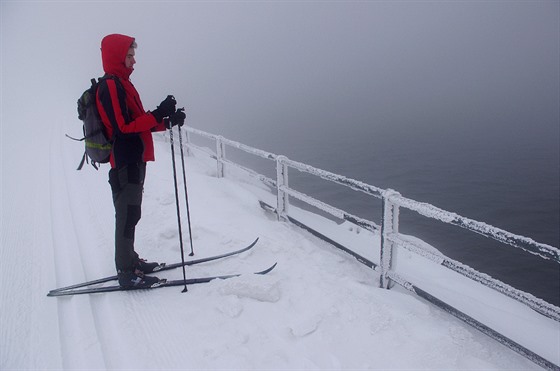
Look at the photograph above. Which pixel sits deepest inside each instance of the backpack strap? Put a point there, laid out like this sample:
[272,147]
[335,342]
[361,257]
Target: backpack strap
[76,139]
[118,83]
[84,159]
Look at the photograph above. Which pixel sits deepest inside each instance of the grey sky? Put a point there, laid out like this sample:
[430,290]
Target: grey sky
[255,65]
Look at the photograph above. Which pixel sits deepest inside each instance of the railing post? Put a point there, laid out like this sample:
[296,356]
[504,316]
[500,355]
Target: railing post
[282,181]
[389,225]
[220,155]
[187,143]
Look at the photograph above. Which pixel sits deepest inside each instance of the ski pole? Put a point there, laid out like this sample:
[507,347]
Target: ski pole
[177,203]
[185,185]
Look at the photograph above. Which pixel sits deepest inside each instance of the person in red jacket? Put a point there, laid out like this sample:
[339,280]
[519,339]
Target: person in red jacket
[130,128]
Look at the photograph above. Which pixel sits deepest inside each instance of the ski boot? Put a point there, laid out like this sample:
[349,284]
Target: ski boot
[137,280]
[148,267]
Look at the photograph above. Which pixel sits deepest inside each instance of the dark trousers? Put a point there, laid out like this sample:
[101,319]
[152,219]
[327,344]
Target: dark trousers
[127,185]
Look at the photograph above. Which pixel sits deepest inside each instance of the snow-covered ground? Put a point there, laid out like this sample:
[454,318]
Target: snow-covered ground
[319,309]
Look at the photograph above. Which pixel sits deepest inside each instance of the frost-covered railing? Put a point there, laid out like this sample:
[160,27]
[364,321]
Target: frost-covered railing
[392,201]
[281,181]
[390,238]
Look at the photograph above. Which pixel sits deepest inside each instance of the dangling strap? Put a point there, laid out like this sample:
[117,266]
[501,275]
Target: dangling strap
[77,140]
[84,159]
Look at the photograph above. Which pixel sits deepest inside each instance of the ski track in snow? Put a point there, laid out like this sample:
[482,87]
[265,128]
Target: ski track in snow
[76,318]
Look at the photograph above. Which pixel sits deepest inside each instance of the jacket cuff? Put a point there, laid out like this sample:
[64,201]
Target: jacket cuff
[157,116]
[160,126]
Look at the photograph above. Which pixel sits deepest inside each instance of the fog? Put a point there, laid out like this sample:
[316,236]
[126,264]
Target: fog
[255,66]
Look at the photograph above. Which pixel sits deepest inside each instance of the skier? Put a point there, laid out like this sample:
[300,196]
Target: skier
[131,128]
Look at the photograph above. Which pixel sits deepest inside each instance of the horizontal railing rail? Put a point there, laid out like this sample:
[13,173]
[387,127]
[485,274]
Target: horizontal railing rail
[348,182]
[543,250]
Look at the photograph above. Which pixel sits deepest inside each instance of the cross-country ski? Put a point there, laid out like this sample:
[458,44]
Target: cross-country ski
[160,284]
[162,268]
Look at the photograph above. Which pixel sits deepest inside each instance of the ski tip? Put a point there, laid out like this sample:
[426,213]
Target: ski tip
[268,269]
[57,294]
[54,293]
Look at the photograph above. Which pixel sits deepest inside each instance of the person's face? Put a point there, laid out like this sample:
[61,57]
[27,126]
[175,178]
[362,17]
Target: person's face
[130,61]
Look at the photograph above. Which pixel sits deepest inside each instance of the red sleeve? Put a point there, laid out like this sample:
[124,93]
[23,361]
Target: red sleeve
[114,111]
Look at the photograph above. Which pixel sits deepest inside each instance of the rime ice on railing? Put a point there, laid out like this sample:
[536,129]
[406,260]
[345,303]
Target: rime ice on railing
[543,250]
[389,235]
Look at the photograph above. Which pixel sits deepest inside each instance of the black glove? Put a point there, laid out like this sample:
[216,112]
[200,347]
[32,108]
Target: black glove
[165,108]
[177,118]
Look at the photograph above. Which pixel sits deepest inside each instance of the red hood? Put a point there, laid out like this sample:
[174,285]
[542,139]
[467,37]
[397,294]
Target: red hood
[114,49]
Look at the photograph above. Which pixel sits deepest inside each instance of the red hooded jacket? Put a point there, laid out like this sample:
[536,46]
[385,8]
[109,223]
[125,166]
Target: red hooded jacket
[121,109]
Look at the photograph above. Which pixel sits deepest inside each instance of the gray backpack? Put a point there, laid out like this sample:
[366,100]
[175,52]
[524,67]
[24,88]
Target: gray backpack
[98,145]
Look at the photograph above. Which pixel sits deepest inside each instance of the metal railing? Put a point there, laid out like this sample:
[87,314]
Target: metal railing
[390,238]
[392,201]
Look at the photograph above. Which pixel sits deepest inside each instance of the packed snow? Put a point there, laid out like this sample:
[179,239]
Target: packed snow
[318,309]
